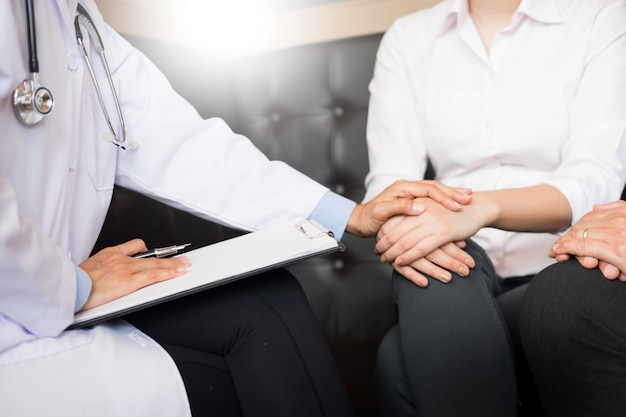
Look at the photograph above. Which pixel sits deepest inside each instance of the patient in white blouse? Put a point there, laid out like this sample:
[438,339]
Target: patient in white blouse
[523,102]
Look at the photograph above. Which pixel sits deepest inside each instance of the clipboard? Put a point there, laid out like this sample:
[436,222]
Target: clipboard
[223,262]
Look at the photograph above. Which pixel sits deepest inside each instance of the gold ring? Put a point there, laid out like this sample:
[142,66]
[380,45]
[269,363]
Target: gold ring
[585,233]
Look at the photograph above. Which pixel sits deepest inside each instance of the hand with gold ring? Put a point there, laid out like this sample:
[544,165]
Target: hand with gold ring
[597,240]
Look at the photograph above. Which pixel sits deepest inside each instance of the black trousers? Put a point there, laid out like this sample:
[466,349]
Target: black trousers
[573,324]
[454,351]
[249,348]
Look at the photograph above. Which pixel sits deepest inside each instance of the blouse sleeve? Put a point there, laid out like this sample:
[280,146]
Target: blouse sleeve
[394,139]
[595,152]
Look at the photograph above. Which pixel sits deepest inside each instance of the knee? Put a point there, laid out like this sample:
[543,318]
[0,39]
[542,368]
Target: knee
[542,295]
[551,308]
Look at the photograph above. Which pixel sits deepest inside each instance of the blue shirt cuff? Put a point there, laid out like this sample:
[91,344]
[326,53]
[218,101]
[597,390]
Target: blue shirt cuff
[83,288]
[333,212]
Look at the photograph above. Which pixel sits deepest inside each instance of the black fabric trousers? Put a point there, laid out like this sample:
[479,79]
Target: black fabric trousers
[453,352]
[573,324]
[249,348]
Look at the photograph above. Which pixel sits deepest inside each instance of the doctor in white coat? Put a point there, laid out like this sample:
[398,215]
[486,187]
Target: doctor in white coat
[56,182]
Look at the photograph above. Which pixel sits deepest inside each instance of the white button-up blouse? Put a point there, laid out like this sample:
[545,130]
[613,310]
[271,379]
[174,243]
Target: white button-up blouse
[547,104]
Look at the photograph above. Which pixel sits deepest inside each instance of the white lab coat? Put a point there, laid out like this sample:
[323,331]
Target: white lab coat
[56,181]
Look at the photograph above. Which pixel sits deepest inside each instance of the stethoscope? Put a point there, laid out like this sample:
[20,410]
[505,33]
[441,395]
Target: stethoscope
[32,102]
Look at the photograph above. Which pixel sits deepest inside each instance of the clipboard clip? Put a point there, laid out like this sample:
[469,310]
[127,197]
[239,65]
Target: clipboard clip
[312,229]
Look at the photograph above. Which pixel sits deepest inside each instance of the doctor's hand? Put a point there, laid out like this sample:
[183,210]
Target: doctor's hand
[400,198]
[115,273]
[603,245]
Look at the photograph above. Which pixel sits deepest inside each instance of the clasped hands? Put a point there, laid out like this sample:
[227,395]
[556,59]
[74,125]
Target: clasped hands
[430,240]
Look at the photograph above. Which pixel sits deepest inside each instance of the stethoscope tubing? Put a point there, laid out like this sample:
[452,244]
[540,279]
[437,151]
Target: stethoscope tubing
[33,62]
[83,15]
[31,102]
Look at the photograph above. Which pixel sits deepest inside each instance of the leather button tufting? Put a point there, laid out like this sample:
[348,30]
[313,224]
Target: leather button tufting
[338,264]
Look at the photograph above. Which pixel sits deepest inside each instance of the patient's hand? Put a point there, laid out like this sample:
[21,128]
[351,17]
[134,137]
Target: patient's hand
[414,237]
[438,264]
[398,238]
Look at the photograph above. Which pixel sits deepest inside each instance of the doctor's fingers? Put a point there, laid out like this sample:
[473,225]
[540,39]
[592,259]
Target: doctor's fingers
[150,271]
[131,247]
[122,250]
[125,275]
[450,197]
[155,268]
[379,210]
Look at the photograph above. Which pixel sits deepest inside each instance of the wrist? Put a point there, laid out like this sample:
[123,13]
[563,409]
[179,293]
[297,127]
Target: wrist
[484,209]
[353,226]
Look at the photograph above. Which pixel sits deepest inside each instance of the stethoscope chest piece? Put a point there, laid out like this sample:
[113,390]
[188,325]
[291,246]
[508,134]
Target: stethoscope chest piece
[31,102]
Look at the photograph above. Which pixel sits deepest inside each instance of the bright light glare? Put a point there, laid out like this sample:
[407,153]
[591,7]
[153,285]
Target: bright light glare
[221,26]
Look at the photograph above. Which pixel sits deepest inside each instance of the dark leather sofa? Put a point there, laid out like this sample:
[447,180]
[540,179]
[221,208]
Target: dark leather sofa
[307,106]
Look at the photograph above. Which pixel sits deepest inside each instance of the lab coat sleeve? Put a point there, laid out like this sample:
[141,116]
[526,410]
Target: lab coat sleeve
[83,288]
[37,281]
[594,155]
[200,166]
[333,211]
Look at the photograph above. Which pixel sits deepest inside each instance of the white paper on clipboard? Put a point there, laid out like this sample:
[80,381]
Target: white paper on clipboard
[224,262]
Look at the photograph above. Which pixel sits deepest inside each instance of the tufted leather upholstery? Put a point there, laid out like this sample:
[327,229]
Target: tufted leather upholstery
[308,107]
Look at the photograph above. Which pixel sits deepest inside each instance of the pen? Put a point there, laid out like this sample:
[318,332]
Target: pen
[161,252]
